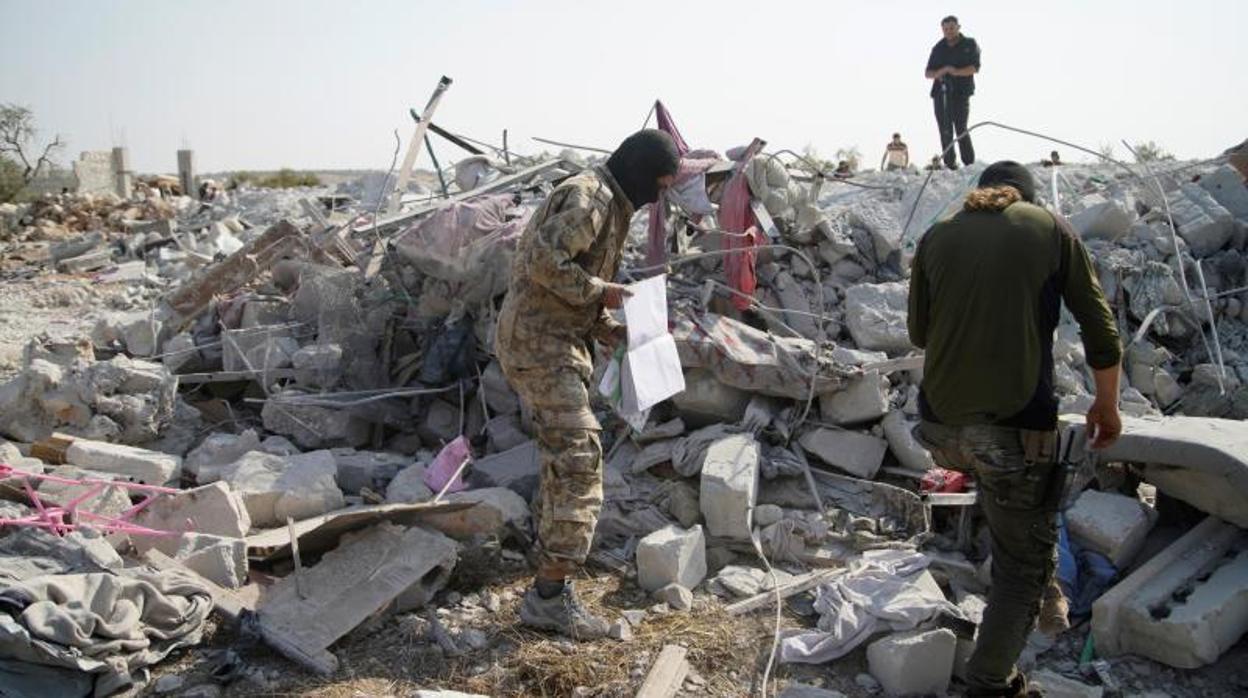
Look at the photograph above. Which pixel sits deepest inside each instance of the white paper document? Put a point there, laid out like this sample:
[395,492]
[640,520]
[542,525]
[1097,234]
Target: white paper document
[651,372]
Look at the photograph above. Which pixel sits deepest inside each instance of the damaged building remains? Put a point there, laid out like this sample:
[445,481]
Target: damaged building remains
[258,437]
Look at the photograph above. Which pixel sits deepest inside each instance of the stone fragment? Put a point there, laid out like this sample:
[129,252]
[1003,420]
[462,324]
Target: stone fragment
[1202,222]
[706,400]
[729,486]
[860,455]
[876,316]
[372,469]
[408,486]
[1102,218]
[767,514]
[898,431]
[913,663]
[137,464]
[504,433]
[258,348]
[1111,524]
[181,355]
[1053,685]
[218,559]
[111,501]
[620,630]
[675,596]
[501,399]
[515,469]
[440,424]
[211,509]
[497,508]
[864,399]
[318,366]
[312,427]
[168,684]
[1226,187]
[274,488]
[1185,606]
[218,450]
[671,555]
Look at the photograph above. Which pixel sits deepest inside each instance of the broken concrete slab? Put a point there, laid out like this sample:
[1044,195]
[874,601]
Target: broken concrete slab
[215,452]
[1106,219]
[274,488]
[1226,186]
[860,455]
[1201,221]
[1185,606]
[899,432]
[211,509]
[1111,524]
[671,555]
[318,366]
[876,316]
[408,486]
[220,559]
[136,464]
[516,469]
[386,568]
[440,424]
[864,399]
[504,433]
[705,400]
[501,399]
[367,469]
[913,663]
[729,486]
[311,426]
[258,348]
[1203,461]
[496,508]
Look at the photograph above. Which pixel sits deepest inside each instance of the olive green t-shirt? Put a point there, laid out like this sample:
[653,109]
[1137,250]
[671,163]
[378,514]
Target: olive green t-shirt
[985,295]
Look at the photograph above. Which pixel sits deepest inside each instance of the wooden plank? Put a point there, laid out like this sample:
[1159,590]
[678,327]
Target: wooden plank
[667,674]
[52,449]
[764,599]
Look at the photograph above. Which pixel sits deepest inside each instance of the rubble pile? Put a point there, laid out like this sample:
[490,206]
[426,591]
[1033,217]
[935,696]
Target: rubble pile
[315,369]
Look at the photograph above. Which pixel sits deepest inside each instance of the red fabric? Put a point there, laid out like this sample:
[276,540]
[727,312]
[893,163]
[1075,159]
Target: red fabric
[942,480]
[656,253]
[735,216]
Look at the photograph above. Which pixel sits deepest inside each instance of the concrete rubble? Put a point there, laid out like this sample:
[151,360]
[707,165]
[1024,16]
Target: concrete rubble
[279,355]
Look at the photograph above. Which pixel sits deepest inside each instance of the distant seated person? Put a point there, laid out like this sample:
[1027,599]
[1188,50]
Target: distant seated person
[934,165]
[896,155]
[843,170]
[1054,160]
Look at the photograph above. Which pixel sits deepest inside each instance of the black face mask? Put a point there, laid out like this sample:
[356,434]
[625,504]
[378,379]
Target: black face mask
[639,162]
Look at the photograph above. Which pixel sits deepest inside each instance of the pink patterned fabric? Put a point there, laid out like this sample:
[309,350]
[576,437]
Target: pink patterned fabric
[736,219]
[656,252]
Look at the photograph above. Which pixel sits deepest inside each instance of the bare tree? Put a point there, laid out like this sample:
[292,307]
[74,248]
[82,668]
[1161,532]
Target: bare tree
[17,130]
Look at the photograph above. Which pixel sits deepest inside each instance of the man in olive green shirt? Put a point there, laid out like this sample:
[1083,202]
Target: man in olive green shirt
[986,290]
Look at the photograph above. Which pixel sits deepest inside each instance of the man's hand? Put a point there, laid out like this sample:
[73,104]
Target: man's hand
[1103,422]
[614,294]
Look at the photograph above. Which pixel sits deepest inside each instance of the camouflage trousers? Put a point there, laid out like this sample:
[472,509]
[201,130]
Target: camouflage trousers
[569,498]
[1015,473]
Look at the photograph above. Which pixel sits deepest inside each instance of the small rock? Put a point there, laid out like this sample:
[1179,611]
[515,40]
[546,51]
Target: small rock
[867,683]
[676,596]
[453,598]
[767,514]
[492,603]
[204,690]
[620,630]
[634,616]
[475,639]
[168,684]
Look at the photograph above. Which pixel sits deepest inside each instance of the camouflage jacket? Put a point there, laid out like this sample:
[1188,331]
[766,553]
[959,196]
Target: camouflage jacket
[569,249]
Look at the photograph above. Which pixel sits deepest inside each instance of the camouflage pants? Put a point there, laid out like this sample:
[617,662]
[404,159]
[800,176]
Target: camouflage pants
[570,459]
[1015,472]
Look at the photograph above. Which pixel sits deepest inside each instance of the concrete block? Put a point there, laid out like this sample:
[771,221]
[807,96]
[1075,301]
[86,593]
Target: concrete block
[256,348]
[729,486]
[1226,186]
[496,508]
[263,311]
[876,316]
[1202,222]
[1185,606]
[137,464]
[212,509]
[1102,218]
[898,431]
[274,488]
[706,400]
[913,663]
[1113,525]
[860,455]
[675,596]
[181,354]
[499,396]
[112,501]
[864,399]
[219,559]
[671,555]
[504,433]
[318,365]
[515,469]
[440,424]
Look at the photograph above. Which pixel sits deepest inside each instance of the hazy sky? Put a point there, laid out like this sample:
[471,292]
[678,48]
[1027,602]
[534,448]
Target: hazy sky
[314,84]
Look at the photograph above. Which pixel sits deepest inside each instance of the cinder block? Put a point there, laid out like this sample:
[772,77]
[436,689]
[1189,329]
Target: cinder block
[729,486]
[1111,524]
[671,555]
[913,663]
[137,464]
[1184,607]
[865,399]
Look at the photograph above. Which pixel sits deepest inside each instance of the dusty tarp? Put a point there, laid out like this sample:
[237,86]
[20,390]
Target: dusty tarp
[101,623]
[468,244]
[751,359]
[879,592]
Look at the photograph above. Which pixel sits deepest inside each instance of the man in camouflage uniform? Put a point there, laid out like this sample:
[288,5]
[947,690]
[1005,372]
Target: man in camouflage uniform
[561,288]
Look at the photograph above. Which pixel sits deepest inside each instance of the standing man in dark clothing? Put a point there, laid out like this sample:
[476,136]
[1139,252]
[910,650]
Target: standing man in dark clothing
[951,67]
[986,291]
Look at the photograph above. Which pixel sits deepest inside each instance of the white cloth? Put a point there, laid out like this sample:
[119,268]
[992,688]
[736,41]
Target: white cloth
[879,592]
